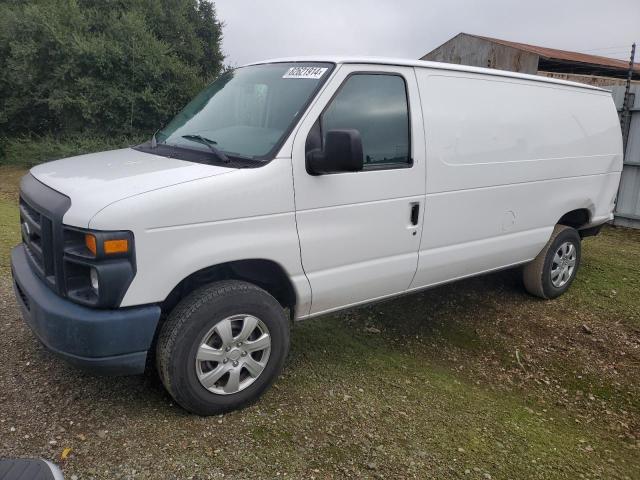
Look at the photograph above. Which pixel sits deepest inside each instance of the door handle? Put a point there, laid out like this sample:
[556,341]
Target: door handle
[415,213]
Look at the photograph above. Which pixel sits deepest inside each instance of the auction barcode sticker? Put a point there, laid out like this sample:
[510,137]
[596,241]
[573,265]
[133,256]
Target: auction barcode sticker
[305,72]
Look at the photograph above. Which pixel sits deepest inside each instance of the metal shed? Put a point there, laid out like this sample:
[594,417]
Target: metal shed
[479,51]
[627,212]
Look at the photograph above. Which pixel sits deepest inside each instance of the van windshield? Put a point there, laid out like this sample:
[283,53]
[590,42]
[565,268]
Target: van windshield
[246,112]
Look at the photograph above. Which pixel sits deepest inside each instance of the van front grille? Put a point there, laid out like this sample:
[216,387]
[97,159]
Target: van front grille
[41,213]
[37,237]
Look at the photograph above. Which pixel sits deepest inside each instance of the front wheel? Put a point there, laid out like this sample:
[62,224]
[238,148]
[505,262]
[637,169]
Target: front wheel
[551,273]
[222,347]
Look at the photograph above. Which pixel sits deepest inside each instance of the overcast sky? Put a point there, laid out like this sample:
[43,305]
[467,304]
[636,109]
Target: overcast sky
[262,29]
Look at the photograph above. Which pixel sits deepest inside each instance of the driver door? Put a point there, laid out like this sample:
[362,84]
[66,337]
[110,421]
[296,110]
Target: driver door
[360,231]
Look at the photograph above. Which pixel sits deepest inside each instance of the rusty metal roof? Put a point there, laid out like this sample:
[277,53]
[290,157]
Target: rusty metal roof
[554,54]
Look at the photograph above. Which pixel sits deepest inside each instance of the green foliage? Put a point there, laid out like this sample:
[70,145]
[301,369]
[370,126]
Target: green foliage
[101,67]
[31,150]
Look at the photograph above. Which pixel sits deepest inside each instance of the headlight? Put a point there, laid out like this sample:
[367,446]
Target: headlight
[98,266]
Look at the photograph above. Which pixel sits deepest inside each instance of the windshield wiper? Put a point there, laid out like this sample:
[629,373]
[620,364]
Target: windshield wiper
[209,143]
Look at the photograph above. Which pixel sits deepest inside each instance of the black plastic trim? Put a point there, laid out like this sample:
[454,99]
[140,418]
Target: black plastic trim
[590,231]
[115,271]
[198,156]
[53,205]
[117,365]
[113,341]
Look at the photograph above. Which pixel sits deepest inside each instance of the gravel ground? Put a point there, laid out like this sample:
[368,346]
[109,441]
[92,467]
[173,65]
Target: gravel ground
[471,380]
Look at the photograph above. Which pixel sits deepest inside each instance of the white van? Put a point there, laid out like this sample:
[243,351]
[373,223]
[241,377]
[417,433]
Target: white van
[292,188]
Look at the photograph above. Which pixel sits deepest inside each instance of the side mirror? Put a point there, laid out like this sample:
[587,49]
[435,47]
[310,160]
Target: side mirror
[342,153]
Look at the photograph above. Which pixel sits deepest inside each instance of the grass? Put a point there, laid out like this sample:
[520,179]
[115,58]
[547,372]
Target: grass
[470,380]
[609,283]
[457,423]
[9,218]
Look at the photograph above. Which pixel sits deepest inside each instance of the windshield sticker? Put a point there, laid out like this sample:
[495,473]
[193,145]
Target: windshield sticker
[305,72]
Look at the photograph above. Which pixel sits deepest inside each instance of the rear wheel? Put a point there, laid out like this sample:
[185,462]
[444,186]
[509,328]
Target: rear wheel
[222,347]
[551,273]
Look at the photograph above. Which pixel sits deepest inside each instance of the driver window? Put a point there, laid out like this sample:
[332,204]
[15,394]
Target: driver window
[375,105]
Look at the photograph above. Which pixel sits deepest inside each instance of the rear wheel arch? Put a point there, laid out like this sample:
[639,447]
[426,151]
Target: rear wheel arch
[577,218]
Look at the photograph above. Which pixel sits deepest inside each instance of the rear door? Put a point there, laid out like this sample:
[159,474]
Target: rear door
[360,231]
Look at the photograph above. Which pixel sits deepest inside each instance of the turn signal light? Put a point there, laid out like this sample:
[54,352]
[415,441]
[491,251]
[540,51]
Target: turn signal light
[109,247]
[116,246]
[90,242]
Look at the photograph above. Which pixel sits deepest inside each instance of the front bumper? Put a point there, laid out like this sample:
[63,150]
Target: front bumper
[107,341]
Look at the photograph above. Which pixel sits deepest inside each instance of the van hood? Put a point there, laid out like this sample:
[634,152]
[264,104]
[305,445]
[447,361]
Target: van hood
[96,180]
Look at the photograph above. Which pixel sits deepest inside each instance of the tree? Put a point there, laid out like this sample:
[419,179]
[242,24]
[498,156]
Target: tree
[103,66]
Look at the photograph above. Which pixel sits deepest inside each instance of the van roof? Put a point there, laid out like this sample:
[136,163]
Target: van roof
[426,64]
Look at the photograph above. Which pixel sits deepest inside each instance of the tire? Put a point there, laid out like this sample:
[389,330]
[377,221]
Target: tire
[547,278]
[222,310]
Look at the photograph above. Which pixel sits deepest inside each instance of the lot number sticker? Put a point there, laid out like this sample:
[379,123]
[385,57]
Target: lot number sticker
[305,72]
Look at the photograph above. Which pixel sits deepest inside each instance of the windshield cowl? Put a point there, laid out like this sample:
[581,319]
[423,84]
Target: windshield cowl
[197,156]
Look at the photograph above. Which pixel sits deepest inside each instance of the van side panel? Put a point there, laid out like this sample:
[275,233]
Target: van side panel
[506,158]
[483,131]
